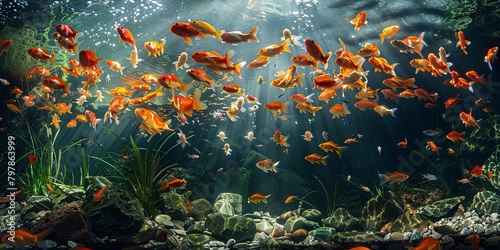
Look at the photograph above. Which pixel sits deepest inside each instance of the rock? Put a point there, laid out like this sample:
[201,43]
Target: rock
[299,235]
[230,227]
[483,140]
[396,236]
[136,238]
[264,226]
[322,234]
[493,241]
[441,207]
[200,208]
[485,202]
[235,200]
[160,234]
[341,220]
[36,204]
[409,222]
[492,164]
[294,223]
[162,218]
[7,221]
[71,194]
[416,235]
[197,227]
[310,225]
[223,206]
[381,209]
[119,213]
[351,237]
[284,217]
[312,214]
[69,223]
[198,240]
[445,230]
[277,232]
[173,204]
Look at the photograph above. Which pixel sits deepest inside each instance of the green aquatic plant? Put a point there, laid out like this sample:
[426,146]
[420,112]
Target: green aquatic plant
[146,167]
[331,197]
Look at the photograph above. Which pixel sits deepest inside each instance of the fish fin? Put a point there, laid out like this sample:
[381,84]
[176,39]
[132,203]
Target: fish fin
[188,41]
[39,237]
[284,46]
[197,104]
[308,98]
[218,34]
[238,67]
[297,79]
[253,34]
[51,59]
[393,112]
[183,88]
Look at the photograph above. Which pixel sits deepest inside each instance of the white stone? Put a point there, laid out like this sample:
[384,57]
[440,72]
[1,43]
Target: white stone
[494,216]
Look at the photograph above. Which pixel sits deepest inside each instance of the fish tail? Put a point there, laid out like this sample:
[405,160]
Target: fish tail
[238,67]
[71,104]
[183,88]
[381,38]
[66,87]
[393,112]
[74,47]
[285,105]
[162,46]
[339,151]
[297,79]
[383,179]
[253,34]
[393,66]
[265,198]
[285,46]
[326,59]
[39,237]
[316,109]
[197,104]
[218,34]
[51,59]
[323,159]
[158,92]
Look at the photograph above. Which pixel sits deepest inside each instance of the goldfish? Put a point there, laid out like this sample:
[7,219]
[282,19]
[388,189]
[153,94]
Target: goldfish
[117,106]
[151,121]
[175,183]
[91,118]
[280,139]
[146,98]
[257,197]
[305,61]
[463,181]
[308,136]
[290,198]
[462,42]
[274,49]
[134,58]
[55,121]
[201,76]
[491,56]
[476,171]
[338,110]
[41,54]
[14,108]
[267,165]
[324,82]
[351,140]
[71,124]
[63,107]
[227,149]
[455,136]
[388,32]
[186,31]
[288,79]
[32,159]
[252,99]
[125,35]
[250,136]
[316,159]
[475,77]
[81,118]
[188,104]
[233,89]
[330,146]
[394,177]
[82,99]
[421,65]
[66,43]
[17,91]
[451,102]
[206,29]
[5,44]
[235,108]
[366,104]
[100,193]
[222,136]
[381,65]
[181,61]
[294,40]
[235,37]
[384,110]
[431,145]
[467,119]
[427,243]
[308,107]
[66,31]
[316,52]
[397,82]
[369,50]
[407,94]
[23,237]
[403,144]
[172,81]
[154,48]
[116,66]
[359,20]
[120,91]
[367,93]
[259,63]
[75,70]
[276,107]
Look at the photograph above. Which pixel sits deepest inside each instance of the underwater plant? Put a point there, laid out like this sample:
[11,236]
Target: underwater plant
[146,168]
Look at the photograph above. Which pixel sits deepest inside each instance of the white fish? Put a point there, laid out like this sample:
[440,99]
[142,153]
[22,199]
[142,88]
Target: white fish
[429,177]
[4,81]
[365,188]
[250,136]
[379,149]
[227,149]
[222,136]
[182,139]
[325,135]
[308,136]
[99,96]
[181,61]
[134,58]
[81,100]
[253,108]
[193,156]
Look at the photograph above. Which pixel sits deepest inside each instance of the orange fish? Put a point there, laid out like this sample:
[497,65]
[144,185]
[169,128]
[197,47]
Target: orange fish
[455,136]
[388,32]
[475,77]
[259,63]
[467,119]
[288,79]
[316,158]
[451,102]
[491,56]
[88,59]
[489,176]
[66,31]
[381,65]
[403,144]
[125,35]
[55,121]
[171,81]
[267,165]
[71,124]
[330,146]
[32,159]
[188,104]
[56,83]
[462,42]
[151,121]
[100,193]
[41,54]
[476,171]
[394,177]
[431,145]
[427,243]
[257,197]
[14,108]
[280,139]
[8,197]
[368,50]
[324,82]
[186,31]
[421,65]
[305,61]
[351,140]
[174,183]
[201,76]
[274,49]
[91,118]
[117,106]
[397,82]
[339,110]
[49,187]
[233,89]
[188,206]
[315,51]
[154,48]
[359,20]
[276,107]
[5,44]
[235,37]
[290,198]
[23,237]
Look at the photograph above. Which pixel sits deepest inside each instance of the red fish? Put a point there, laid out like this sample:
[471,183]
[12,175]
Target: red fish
[462,42]
[290,198]
[174,183]
[32,159]
[476,171]
[184,30]
[467,119]
[56,83]
[395,177]
[315,51]
[66,31]
[491,56]
[100,193]
[41,54]
[427,243]
[125,35]
[5,44]
[88,59]
[455,136]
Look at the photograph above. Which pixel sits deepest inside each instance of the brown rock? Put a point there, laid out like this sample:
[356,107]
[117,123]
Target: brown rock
[69,222]
[299,235]
[277,232]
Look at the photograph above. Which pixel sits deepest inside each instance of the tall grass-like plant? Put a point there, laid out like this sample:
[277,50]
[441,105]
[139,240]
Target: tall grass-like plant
[146,169]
